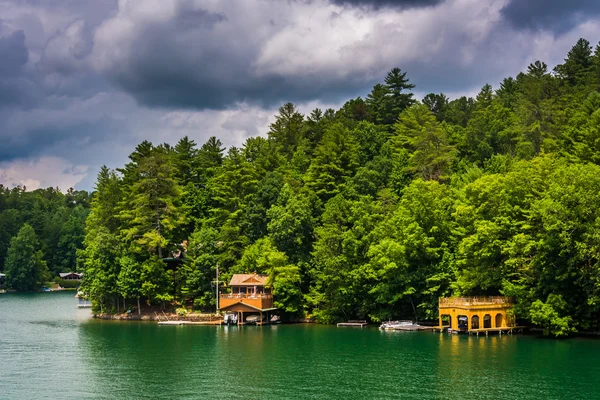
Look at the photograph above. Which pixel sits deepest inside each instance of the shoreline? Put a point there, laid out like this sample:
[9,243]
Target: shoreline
[201,318]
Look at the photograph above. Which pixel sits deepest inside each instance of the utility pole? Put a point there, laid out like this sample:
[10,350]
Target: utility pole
[217,285]
[218,244]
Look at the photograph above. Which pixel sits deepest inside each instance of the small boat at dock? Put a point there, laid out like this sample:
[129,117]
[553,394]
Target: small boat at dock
[230,319]
[392,325]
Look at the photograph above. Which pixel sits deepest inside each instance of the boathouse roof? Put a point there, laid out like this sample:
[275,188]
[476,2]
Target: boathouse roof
[72,275]
[248,280]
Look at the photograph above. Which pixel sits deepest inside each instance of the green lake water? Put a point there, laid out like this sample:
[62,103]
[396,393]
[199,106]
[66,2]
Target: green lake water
[51,349]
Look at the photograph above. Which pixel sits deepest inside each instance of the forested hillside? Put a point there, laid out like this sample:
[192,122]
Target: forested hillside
[53,223]
[377,209]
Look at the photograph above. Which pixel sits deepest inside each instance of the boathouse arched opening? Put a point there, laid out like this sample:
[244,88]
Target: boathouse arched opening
[462,322]
[499,320]
[487,321]
[475,322]
[446,319]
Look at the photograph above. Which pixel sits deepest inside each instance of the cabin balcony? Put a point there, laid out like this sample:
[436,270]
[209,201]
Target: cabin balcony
[259,300]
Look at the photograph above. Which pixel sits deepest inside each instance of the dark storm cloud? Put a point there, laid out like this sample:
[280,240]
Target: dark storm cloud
[211,70]
[377,4]
[558,16]
[17,87]
[70,69]
[25,84]
[13,53]
[225,83]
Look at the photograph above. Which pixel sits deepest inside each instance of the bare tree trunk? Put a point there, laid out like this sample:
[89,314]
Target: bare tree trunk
[139,309]
[414,310]
[158,229]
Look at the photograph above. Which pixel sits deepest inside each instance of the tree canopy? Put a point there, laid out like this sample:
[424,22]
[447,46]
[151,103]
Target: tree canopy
[371,211]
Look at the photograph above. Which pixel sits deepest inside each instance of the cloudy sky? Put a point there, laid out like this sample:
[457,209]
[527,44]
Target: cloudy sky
[82,82]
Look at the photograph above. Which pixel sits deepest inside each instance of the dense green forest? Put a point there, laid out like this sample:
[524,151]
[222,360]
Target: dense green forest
[374,210]
[40,233]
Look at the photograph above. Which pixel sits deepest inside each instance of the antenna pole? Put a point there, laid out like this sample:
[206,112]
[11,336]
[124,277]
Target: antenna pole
[217,287]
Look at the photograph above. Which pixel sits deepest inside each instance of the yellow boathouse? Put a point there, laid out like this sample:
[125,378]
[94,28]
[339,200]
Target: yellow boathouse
[477,314]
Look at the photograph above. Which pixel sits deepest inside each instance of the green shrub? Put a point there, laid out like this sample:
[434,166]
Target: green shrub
[182,312]
[67,283]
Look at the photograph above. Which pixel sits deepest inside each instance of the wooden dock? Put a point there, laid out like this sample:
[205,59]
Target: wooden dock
[502,330]
[215,322]
[505,330]
[356,323]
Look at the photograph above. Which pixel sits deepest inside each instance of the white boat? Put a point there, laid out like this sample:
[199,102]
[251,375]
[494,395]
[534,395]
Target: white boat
[230,319]
[252,319]
[391,325]
[82,301]
[275,319]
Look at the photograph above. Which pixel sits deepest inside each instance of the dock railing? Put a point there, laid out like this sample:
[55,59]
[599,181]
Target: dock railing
[246,296]
[474,301]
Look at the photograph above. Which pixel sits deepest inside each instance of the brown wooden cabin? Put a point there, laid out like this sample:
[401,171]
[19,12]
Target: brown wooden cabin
[70,276]
[249,295]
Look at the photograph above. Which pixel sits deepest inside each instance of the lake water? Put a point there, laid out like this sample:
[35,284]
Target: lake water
[51,349]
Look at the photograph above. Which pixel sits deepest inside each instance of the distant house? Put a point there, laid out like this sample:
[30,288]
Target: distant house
[177,257]
[2,279]
[70,276]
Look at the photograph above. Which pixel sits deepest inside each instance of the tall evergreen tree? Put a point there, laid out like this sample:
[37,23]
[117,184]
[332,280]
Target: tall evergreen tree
[336,158]
[288,129]
[418,131]
[151,215]
[399,96]
[578,63]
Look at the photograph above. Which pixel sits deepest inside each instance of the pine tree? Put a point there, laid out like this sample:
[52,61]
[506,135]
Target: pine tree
[378,104]
[578,63]
[419,132]
[335,160]
[399,96]
[288,129]
[185,156]
[151,213]
[210,157]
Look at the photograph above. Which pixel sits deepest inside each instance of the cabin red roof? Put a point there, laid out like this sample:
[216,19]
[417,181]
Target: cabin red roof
[248,280]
